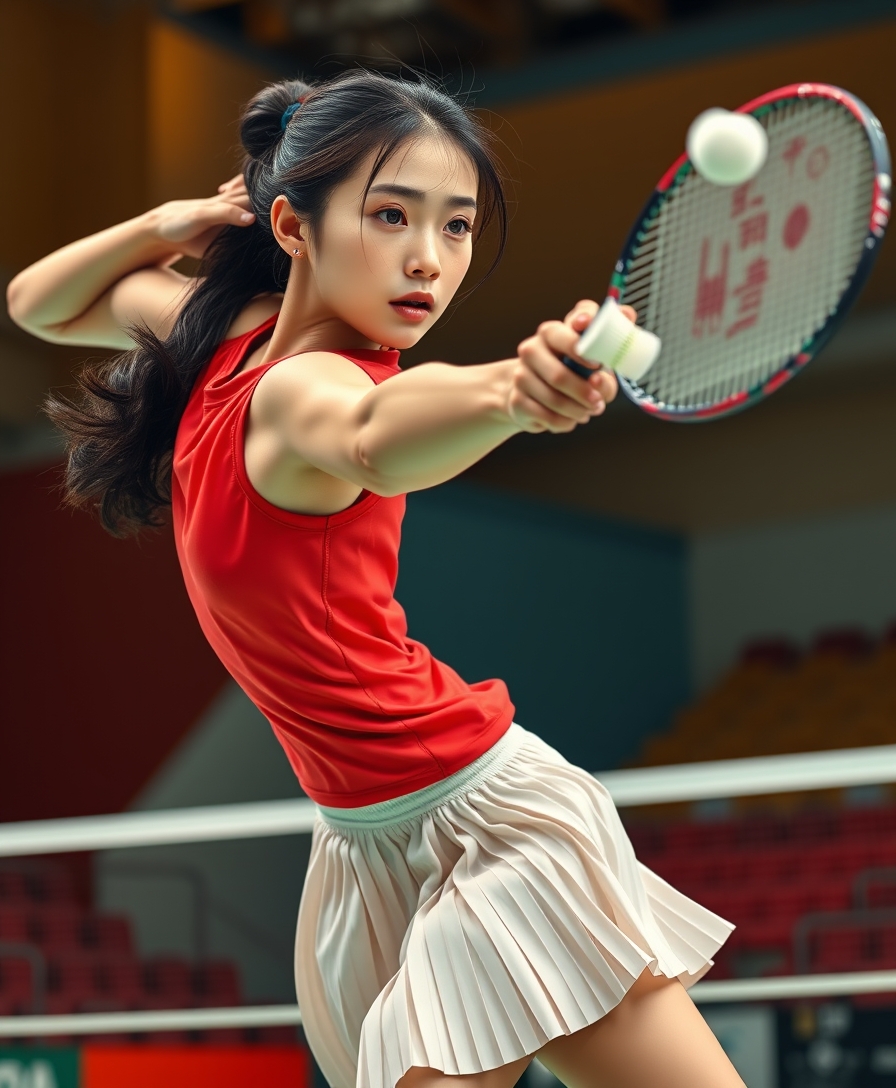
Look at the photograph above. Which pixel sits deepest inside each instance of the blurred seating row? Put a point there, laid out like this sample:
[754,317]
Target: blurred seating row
[808,879]
[777,699]
[29,883]
[870,830]
[89,963]
[63,925]
[77,982]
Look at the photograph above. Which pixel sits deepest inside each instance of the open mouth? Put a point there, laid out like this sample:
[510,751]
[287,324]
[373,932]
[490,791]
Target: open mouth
[414,307]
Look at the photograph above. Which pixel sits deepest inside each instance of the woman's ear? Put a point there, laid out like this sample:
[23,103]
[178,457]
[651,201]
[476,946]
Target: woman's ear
[287,226]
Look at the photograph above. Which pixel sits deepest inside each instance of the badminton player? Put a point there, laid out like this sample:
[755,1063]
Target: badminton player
[472,899]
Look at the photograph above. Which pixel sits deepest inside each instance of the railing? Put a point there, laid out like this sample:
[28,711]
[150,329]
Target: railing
[641,786]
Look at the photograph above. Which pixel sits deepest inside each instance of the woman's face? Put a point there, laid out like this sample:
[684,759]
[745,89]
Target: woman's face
[387,265]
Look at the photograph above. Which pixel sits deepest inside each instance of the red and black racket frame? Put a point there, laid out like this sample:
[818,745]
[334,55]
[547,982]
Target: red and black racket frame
[877,223]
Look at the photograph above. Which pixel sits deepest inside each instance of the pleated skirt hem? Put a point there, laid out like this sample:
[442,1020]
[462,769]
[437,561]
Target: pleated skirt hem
[504,910]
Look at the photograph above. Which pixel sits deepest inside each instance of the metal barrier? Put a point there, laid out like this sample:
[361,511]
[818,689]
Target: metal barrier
[641,786]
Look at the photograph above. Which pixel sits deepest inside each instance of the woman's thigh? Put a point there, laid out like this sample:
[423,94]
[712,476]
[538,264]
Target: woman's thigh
[655,1036]
[505,1076]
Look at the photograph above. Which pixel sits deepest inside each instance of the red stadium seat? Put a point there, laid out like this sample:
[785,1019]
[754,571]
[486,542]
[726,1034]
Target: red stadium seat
[16,982]
[169,980]
[799,899]
[61,1004]
[688,837]
[888,943]
[680,871]
[49,885]
[766,934]
[721,901]
[762,833]
[120,977]
[108,932]
[14,923]
[842,860]
[13,888]
[883,851]
[168,975]
[216,983]
[56,926]
[837,950]
[865,823]
[72,975]
[783,965]
[879,948]
[855,948]
[10,1005]
[778,866]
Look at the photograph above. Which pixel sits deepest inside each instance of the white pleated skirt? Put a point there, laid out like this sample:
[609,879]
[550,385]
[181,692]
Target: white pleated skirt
[463,926]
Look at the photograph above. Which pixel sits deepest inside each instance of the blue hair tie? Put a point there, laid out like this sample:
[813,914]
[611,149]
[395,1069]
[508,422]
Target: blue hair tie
[287,113]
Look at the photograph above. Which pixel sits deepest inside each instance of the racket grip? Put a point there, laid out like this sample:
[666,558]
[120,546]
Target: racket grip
[616,342]
[578,368]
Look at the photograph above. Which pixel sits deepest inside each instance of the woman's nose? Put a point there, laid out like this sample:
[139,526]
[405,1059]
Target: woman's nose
[424,261]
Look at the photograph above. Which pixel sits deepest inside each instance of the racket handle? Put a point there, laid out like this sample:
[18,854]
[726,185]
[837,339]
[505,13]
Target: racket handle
[614,341]
[577,368]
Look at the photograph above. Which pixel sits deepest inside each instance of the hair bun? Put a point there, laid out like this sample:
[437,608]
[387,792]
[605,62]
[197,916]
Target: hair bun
[262,123]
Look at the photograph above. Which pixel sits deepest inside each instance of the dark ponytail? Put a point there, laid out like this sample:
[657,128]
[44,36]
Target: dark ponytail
[120,432]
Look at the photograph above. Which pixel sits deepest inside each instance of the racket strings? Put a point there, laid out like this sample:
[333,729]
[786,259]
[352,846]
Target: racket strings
[736,282]
[782,338]
[769,346]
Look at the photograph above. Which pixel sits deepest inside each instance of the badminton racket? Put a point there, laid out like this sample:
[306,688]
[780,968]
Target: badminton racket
[745,284]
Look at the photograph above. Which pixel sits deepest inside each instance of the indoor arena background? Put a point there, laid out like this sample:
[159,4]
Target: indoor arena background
[708,592]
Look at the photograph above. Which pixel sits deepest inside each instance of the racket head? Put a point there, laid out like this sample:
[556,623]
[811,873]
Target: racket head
[745,284]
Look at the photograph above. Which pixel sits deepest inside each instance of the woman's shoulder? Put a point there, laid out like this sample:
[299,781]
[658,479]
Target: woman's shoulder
[254,313]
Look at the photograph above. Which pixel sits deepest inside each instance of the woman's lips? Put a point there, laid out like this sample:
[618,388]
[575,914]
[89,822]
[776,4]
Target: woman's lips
[409,311]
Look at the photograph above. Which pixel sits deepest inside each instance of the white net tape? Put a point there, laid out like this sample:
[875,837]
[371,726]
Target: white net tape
[735,280]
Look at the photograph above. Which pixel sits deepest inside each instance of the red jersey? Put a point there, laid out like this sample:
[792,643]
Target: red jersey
[300,610]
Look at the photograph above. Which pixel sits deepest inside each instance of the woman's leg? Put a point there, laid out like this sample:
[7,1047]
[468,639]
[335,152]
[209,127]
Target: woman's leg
[505,1076]
[654,1037]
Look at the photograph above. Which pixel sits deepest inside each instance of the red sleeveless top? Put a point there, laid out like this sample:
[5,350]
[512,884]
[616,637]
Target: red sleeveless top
[300,610]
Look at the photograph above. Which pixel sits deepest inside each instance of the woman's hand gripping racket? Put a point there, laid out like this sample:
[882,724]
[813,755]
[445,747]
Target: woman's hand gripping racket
[737,287]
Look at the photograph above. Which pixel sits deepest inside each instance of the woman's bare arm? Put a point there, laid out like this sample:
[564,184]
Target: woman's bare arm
[59,287]
[426,425]
[85,292]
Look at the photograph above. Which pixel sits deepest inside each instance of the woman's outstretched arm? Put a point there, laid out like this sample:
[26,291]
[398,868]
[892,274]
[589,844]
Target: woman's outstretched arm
[427,424]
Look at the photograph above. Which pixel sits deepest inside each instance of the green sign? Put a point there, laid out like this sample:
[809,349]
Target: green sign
[32,1067]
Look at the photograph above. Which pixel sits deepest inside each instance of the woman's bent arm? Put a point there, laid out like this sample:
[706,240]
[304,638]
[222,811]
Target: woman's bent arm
[65,283]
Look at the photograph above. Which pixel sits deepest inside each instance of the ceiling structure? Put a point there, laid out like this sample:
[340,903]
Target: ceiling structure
[443,35]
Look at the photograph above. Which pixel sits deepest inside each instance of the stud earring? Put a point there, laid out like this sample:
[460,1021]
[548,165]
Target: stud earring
[298,254]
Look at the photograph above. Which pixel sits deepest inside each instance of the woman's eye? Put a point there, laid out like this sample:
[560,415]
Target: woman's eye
[392,216]
[458,226]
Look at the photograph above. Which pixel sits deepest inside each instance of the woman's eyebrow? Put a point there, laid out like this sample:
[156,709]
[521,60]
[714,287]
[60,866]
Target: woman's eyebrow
[417,194]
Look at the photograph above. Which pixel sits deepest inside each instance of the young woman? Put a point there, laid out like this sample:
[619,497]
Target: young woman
[472,899]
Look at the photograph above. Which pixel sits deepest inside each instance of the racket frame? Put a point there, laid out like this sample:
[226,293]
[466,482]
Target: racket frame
[877,223]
